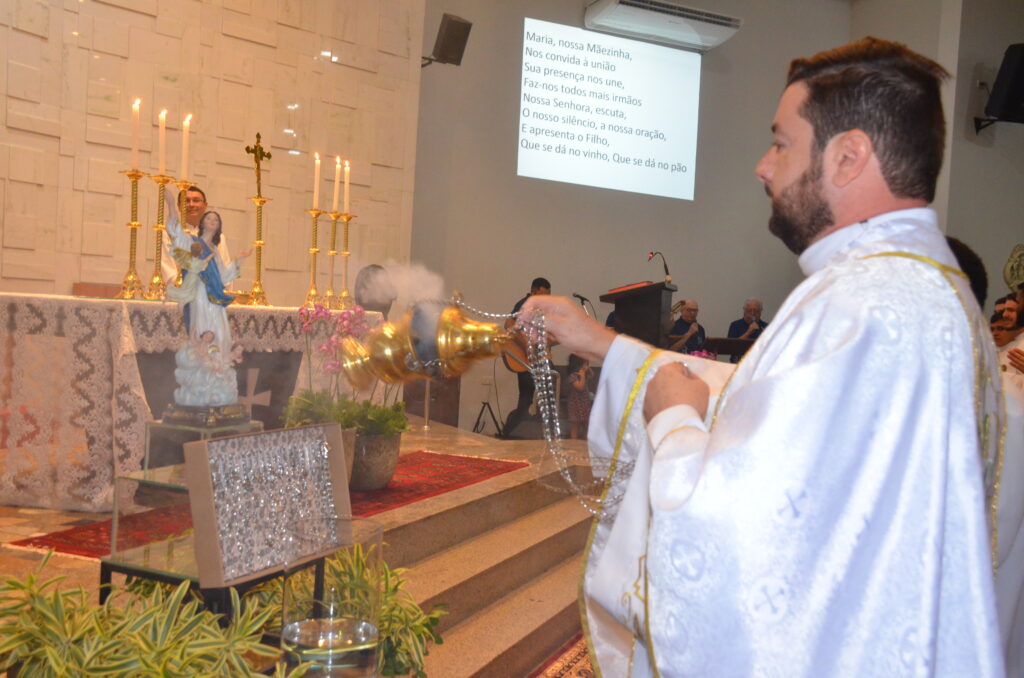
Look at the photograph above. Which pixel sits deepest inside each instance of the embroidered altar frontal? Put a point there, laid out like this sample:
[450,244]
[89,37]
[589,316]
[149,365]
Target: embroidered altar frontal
[72,406]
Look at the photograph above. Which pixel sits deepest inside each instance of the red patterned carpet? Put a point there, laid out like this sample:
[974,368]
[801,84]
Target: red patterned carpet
[419,475]
[571,661]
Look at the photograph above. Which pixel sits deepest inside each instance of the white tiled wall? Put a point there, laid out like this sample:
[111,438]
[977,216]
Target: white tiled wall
[69,70]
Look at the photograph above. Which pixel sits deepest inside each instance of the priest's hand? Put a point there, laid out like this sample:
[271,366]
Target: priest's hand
[1016,357]
[674,384]
[568,325]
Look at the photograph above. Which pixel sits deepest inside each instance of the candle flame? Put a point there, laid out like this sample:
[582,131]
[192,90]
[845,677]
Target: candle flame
[337,160]
[163,113]
[316,155]
[188,118]
[137,102]
[346,163]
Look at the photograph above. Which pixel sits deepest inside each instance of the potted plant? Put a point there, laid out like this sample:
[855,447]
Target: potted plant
[151,631]
[374,432]
[378,440]
[323,407]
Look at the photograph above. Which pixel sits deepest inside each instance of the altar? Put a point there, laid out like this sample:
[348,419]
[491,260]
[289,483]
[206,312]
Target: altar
[73,407]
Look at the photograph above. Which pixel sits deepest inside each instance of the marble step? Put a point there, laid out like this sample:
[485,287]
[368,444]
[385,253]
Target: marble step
[426,527]
[512,636]
[477,572]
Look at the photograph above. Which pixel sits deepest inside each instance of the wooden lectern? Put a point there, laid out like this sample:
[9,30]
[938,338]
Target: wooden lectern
[643,310]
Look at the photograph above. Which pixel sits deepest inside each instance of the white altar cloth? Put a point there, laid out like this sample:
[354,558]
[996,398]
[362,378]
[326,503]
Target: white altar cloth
[72,407]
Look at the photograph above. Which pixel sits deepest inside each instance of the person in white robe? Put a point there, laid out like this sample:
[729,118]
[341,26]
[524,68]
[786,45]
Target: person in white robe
[822,510]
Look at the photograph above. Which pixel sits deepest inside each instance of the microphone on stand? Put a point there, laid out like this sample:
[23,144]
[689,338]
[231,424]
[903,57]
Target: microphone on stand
[583,302]
[650,255]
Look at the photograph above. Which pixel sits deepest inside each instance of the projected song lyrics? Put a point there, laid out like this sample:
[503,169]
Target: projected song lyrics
[592,106]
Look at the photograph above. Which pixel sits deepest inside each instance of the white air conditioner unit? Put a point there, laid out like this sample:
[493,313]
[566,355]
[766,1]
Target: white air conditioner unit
[663,21]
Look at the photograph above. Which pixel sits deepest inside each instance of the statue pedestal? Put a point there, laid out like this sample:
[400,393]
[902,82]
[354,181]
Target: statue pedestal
[165,439]
[209,417]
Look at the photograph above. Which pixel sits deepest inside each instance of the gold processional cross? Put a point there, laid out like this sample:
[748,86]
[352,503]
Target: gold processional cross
[258,156]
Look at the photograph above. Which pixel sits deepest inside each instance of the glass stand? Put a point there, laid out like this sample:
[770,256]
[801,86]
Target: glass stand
[165,441]
[151,535]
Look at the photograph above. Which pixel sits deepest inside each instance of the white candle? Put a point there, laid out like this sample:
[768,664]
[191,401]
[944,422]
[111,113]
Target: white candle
[316,182]
[185,124]
[135,134]
[346,186]
[162,157]
[337,182]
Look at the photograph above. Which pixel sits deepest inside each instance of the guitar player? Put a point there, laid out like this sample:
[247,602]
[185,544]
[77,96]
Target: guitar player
[526,386]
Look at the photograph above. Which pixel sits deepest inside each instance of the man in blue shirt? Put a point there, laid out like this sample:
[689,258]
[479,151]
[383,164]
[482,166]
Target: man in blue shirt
[749,326]
[687,334]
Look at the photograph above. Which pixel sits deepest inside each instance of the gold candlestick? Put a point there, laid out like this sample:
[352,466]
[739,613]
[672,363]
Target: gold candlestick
[345,299]
[131,286]
[183,187]
[331,300]
[157,287]
[312,296]
[257,297]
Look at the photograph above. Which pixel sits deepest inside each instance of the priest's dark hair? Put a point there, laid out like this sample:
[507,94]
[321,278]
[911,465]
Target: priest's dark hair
[539,283]
[890,93]
[199,191]
[202,226]
[196,189]
[971,264]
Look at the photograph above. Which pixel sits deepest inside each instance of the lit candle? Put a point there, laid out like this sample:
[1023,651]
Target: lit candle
[185,124]
[337,182]
[346,186]
[162,157]
[135,134]
[316,182]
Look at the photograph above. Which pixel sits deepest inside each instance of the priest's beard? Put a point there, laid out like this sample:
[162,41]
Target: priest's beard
[799,211]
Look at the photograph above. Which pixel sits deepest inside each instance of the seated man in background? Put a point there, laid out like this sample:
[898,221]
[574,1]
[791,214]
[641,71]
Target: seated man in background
[687,334]
[749,326]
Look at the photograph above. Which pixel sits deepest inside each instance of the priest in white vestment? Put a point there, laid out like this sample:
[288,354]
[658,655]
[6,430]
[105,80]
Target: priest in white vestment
[822,511]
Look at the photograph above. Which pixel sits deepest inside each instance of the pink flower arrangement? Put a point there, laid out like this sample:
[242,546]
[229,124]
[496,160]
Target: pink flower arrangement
[348,323]
[705,354]
[309,316]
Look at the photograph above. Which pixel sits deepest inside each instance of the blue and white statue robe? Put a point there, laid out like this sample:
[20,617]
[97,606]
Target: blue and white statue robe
[209,311]
[828,517]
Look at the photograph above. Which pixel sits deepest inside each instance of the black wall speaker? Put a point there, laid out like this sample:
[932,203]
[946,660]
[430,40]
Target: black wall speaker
[451,40]
[1006,103]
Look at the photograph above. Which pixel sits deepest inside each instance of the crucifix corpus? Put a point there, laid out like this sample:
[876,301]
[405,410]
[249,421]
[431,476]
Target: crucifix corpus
[257,296]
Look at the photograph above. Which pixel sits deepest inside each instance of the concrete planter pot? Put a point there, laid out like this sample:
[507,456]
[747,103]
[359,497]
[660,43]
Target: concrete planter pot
[348,440]
[376,457]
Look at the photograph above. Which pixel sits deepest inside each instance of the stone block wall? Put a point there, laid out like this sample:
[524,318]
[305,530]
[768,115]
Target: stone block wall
[70,70]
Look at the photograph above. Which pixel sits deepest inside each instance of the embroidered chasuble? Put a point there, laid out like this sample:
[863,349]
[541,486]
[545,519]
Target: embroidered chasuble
[1010,576]
[828,516]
